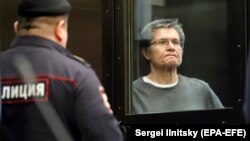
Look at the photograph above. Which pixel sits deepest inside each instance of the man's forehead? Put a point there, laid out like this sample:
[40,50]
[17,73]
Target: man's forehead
[166,33]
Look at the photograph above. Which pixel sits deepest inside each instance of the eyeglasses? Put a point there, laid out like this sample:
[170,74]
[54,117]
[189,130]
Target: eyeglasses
[165,42]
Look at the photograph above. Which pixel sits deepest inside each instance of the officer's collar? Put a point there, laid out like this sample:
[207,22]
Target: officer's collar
[37,41]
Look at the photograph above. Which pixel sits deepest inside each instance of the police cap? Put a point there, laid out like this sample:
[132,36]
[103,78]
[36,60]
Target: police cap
[38,8]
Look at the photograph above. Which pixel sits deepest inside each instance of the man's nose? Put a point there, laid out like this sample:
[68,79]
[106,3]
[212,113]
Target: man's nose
[169,46]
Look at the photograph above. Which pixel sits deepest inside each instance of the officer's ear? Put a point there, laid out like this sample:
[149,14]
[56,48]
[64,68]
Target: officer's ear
[16,26]
[60,30]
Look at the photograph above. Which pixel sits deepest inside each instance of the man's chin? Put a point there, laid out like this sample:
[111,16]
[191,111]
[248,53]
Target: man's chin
[173,64]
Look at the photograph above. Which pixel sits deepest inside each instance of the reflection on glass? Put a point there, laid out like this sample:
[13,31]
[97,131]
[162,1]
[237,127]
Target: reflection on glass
[165,82]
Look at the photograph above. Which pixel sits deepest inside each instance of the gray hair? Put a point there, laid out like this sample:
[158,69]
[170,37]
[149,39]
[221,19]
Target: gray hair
[161,23]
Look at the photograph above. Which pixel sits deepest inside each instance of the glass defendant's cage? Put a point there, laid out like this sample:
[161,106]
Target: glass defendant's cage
[215,51]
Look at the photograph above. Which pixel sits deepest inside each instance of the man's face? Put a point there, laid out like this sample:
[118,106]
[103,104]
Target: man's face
[165,50]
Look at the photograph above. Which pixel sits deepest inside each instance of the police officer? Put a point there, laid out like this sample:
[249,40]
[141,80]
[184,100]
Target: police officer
[46,92]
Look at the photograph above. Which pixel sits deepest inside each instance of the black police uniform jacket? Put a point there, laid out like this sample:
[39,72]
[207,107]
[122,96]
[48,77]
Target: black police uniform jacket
[62,83]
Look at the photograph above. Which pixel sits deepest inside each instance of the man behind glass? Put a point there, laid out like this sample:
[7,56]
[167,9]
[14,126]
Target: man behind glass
[163,89]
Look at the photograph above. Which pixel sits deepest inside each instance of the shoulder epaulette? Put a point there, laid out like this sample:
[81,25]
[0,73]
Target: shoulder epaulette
[81,60]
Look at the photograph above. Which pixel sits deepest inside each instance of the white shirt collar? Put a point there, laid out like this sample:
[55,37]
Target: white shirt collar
[145,79]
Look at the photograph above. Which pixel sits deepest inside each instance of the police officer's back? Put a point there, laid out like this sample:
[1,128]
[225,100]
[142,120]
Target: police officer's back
[46,91]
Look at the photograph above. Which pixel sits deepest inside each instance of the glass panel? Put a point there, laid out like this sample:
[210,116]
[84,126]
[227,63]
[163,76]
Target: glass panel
[207,56]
